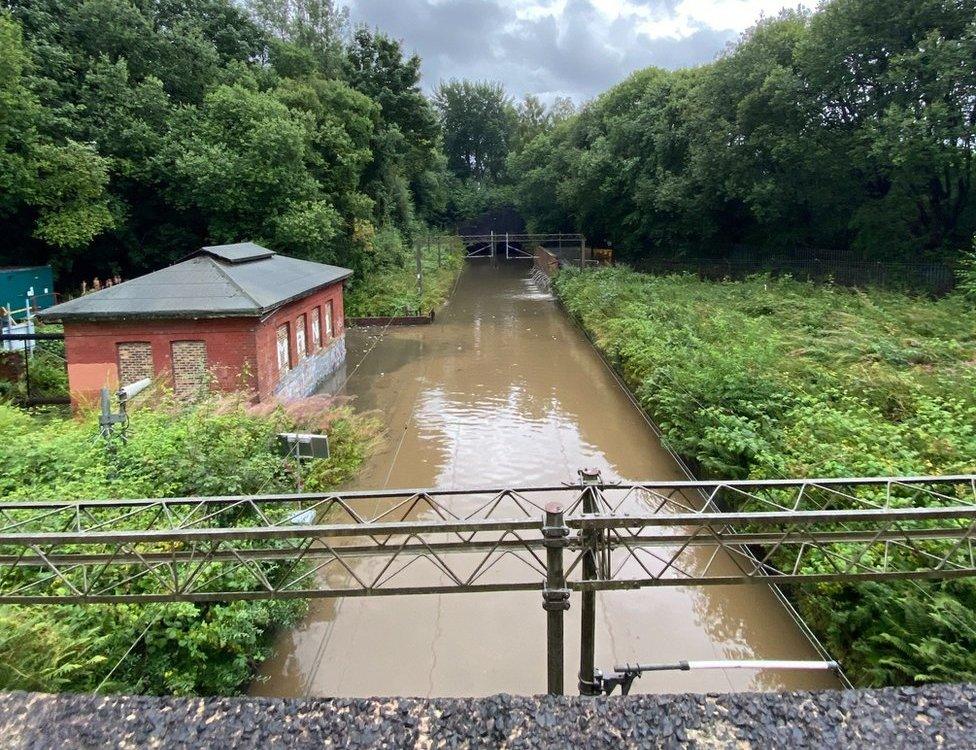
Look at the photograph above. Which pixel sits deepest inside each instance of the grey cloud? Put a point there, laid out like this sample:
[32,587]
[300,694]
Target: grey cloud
[579,54]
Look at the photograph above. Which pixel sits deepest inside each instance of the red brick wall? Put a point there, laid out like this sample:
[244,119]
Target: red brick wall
[267,353]
[234,345]
[92,353]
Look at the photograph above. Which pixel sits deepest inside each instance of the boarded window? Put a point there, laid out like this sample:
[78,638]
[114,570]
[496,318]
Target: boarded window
[328,320]
[284,355]
[300,345]
[316,329]
[135,361]
[189,368]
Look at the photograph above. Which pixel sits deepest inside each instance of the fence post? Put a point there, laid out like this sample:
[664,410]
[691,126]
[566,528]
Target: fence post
[420,275]
[590,541]
[555,595]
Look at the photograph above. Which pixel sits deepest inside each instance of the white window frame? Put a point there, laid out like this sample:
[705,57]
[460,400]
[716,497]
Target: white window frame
[329,330]
[283,345]
[316,329]
[301,345]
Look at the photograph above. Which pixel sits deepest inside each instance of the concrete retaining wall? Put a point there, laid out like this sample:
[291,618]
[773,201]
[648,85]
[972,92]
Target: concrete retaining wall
[304,378]
[393,320]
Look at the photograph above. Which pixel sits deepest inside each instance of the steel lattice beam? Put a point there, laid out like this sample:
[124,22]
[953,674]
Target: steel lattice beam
[426,541]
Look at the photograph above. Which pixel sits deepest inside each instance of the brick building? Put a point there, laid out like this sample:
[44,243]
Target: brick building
[229,317]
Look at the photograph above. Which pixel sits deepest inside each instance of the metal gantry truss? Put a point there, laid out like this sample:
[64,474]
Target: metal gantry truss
[588,536]
[513,246]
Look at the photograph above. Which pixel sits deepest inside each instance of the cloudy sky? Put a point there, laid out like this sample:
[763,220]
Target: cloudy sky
[574,48]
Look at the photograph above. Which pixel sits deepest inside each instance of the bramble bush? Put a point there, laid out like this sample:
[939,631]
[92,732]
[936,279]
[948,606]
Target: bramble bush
[218,446]
[392,287]
[769,378]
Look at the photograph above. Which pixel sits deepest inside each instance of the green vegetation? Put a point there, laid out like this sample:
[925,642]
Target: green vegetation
[483,127]
[392,289]
[772,378]
[48,374]
[132,132]
[851,128]
[218,446]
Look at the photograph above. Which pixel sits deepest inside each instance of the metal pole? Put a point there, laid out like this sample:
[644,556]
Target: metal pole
[27,356]
[555,596]
[506,245]
[420,278]
[589,539]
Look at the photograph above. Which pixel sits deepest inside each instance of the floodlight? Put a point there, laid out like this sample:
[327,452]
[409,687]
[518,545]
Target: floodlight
[303,445]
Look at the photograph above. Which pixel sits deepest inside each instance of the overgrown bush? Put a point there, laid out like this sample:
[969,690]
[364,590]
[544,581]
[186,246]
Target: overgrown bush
[966,274]
[769,378]
[218,446]
[392,288]
[47,366]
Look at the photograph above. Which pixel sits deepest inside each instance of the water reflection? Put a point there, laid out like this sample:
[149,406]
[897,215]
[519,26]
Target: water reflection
[503,390]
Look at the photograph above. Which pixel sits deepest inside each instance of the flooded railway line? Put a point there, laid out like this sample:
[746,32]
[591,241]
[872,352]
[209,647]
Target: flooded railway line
[504,390]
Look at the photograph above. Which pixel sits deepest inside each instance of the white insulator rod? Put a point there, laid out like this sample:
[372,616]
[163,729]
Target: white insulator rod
[731,664]
[763,664]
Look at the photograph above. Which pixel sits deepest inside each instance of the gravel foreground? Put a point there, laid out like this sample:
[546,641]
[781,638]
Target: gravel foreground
[932,716]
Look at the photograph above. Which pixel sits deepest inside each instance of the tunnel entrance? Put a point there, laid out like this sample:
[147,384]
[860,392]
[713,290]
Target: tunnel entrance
[567,248]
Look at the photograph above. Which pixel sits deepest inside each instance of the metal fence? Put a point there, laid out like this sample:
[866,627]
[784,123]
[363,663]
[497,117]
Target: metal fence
[559,540]
[33,367]
[930,278]
[568,247]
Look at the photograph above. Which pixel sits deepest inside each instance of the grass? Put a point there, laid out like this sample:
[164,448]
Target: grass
[392,289]
[772,378]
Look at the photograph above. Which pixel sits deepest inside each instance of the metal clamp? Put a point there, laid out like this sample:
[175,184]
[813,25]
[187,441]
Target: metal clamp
[591,687]
[555,536]
[590,477]
[606,685]
[554,600]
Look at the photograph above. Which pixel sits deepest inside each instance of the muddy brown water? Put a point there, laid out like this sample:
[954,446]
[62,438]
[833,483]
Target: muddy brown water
[504,390]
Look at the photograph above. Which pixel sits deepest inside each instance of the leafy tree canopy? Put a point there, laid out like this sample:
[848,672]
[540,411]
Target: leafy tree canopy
[850,129]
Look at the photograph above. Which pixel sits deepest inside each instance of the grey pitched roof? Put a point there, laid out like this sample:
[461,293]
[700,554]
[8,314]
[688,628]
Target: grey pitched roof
[240,252]
[216,282]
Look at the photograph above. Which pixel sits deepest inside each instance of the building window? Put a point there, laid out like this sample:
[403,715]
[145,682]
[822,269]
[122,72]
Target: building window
[189,368]
[135,361]
[300,348]
[329,333]
[316,329]
[284,353]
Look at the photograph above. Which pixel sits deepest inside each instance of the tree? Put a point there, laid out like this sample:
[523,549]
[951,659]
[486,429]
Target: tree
[54,190]
[533,119]
[331,140]
[852,128]
[242,160]
[479,123]
[317,26]
[897,81]
[405,160]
